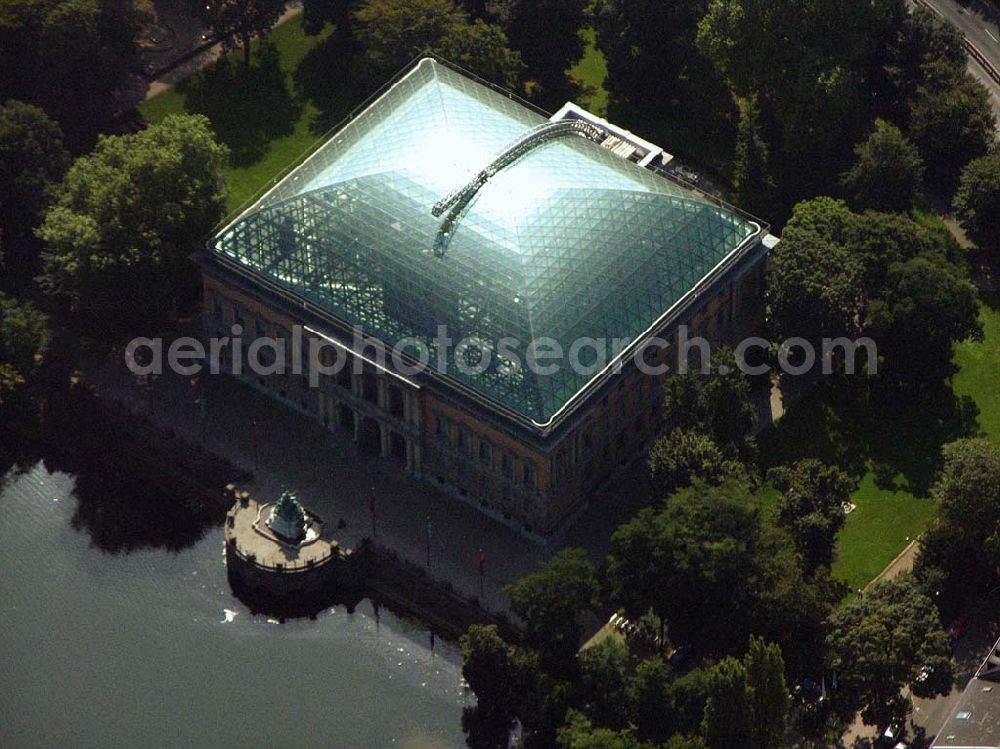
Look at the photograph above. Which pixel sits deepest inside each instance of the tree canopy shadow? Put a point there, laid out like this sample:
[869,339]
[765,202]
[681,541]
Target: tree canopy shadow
[249,106]
[122,503]
[857,423]
[333,94]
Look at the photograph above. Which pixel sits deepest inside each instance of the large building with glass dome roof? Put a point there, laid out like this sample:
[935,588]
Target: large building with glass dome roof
[446,202]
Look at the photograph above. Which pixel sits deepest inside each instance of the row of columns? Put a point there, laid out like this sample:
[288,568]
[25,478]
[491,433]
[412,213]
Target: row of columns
[410,415]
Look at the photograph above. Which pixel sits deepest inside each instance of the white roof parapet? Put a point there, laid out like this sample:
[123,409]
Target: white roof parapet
[569,110]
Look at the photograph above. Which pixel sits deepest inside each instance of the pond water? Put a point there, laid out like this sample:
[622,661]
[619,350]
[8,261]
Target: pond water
[150,648]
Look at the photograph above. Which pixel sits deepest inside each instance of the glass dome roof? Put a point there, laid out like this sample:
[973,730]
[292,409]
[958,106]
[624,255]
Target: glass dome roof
[568,241]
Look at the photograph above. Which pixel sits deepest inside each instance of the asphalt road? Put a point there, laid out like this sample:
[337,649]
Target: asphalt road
[979,20]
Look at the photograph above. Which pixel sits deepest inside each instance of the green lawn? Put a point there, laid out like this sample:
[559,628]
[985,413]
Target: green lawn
[979,376]
[590,72]
[893,450]
[271,115]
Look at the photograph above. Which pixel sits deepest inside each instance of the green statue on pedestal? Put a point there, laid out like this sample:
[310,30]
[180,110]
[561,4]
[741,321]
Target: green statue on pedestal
[288,519]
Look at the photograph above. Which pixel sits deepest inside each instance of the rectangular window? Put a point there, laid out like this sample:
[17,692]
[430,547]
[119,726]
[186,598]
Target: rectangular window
[463,440]
[507,465]
[261,329]
[441,427]
[238,317]
[485,453]
[528,475]
[217,308]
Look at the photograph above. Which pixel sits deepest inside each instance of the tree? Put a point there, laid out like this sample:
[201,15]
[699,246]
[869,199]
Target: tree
[812,507]
[482,49]
[716,403]
[580,733]
[603,685]
[316,14]
[684,456]
[549,601]
[815,285]
[887,174]
[754,185]
[930,39]
[500,676]
[69,57]
[765,669]
[877,644]
[391,33]
[32,161]
[968,490]
[786,605]
[652,700]
[729,719]
[688,562]
[977,202]
[239,22]
[927,306]
[809,91]
[24,339]
[685,742]
[128,217]
[648,45]
[547,34]
[951,122]
[841,274]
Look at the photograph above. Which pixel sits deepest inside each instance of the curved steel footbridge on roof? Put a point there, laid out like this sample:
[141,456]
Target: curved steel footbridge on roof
[457,200]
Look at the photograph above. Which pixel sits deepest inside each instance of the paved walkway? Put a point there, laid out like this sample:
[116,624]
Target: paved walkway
[296,453]
[145,90]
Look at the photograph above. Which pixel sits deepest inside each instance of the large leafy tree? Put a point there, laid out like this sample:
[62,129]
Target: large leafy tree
[648,44]
[603,685]
[390,33]
[24,339]
[811,506]
[651,698]
[128,217]
[482,48]
[239,22]
[715,403]
[751,172]
[316,14]
[69,57]
[688,562]
[951,122]
[501,676]
[547,34]
[961,552]
[579,732]
[811,90]
[977,201]
[877,644]
[887,174]
[815,289]
[765,668]
[837,273]
[927,306]
[549,601]
[684,456]
[32,161]
[729,718]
